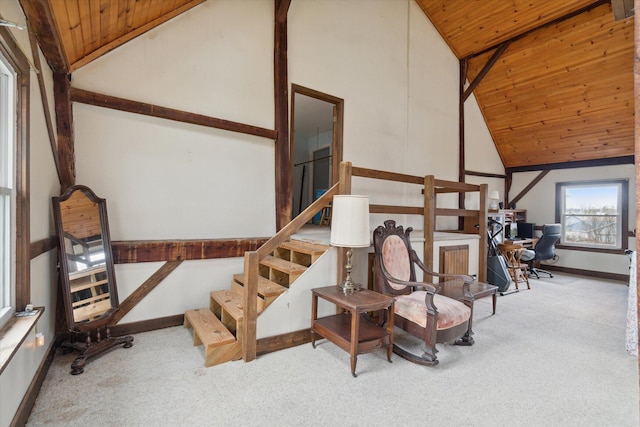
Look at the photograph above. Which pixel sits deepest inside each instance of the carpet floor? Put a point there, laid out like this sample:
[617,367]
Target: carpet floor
[551,356]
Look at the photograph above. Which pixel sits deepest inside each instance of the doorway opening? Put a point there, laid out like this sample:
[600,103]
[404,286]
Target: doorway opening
[316,145]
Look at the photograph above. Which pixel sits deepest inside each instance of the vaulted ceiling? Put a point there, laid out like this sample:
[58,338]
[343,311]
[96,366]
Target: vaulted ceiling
[553,80]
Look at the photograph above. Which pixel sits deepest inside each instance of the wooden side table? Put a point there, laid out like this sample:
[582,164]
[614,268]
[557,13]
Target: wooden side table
[349,330]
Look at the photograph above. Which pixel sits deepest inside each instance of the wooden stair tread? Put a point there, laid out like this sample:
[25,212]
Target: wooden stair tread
[305,247]
[231,301]
[207,328]
[283,265]
[266,287]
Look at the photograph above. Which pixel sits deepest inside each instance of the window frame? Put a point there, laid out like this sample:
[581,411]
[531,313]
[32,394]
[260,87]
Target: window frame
[22,257]
[7,190]
[623,215]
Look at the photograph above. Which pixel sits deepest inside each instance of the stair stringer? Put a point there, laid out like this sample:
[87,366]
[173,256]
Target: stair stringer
[291,311]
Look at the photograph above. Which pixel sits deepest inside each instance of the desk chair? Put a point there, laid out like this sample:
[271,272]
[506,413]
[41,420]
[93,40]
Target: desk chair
[517,268]
[544,249]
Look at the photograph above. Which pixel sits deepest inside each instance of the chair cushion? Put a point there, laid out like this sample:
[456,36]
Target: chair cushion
[450,311]
[395,257]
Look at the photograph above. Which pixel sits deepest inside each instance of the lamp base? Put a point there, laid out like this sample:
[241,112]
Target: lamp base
[348,285]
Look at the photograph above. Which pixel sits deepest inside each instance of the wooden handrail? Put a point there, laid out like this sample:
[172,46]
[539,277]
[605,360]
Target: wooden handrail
[430,188]
[252,260]
[297,223]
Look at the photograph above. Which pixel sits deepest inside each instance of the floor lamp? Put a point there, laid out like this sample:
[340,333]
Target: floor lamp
[350,229]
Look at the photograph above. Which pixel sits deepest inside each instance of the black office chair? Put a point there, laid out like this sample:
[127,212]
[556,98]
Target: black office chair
[544,249]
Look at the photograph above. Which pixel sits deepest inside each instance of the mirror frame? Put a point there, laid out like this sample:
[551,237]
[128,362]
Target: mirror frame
[106,317]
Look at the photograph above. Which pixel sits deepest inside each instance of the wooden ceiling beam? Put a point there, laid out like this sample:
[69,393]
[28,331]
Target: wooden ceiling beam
[496,55]
[624,160]
[547,24]
[41,20]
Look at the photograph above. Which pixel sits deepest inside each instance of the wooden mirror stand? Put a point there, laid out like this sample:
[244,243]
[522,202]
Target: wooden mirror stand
[87,274]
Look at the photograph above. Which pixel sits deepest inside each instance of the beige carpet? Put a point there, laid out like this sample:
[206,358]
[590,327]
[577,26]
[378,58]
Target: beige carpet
[552,356]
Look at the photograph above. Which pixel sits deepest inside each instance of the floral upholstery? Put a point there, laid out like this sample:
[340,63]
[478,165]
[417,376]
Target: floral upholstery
[450,311]
[396,260]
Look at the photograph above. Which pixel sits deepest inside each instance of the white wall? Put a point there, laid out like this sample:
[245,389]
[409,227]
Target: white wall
[166,180]
[540,205]
[18,374]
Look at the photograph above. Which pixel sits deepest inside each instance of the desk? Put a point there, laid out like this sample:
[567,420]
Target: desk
[351,332]
[527,243]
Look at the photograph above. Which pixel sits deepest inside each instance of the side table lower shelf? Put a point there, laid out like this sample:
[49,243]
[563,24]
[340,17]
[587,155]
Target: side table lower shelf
[350,330]
[370,336]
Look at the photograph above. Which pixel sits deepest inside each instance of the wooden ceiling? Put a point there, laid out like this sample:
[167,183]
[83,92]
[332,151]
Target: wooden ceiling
[560,91]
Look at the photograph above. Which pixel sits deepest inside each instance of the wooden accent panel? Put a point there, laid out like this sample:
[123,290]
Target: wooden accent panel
[89,29]
[563,93]
[106,101]
[133,251]
[454,260]
[473,26]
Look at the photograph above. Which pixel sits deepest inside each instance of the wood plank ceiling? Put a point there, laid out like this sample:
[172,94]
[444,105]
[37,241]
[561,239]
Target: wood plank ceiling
[561,91]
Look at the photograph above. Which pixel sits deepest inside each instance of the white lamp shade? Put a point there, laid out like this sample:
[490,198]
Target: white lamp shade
[494,195]
[350,221]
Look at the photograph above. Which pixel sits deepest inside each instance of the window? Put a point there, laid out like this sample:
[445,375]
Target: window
[7,189]
[593,214]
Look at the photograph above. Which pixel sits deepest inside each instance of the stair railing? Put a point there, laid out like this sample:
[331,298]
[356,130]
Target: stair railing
[431,187]
[252,260]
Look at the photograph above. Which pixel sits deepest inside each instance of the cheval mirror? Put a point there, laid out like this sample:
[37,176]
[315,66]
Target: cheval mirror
[87,274]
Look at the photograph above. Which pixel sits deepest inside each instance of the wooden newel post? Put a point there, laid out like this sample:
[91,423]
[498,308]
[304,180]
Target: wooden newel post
[250,304]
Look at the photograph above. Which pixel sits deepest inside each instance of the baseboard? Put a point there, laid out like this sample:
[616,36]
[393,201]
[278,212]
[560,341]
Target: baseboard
[26,405]
[579,272]
[280,342]
[147,325]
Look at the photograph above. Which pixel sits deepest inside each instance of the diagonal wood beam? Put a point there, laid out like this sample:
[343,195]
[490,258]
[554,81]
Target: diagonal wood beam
[532,184]
[43,96]
[547,24]
[144,289]
[107,101]
[39,15]
[496,55]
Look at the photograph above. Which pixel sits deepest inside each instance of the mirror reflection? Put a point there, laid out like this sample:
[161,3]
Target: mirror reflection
[87,275]
[85,257]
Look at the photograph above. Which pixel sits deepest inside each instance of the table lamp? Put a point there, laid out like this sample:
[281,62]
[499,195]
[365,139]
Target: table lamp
[350,229]
[494,196]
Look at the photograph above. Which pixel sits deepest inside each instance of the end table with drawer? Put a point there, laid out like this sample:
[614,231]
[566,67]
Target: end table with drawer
[349,330]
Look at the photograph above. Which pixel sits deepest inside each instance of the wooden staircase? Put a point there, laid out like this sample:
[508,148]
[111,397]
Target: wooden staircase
[219,327]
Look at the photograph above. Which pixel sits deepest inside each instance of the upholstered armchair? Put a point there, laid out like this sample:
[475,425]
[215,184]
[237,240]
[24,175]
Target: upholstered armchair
[420,308]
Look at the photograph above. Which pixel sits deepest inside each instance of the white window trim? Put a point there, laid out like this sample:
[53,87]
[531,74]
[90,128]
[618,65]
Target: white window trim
[8,90]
